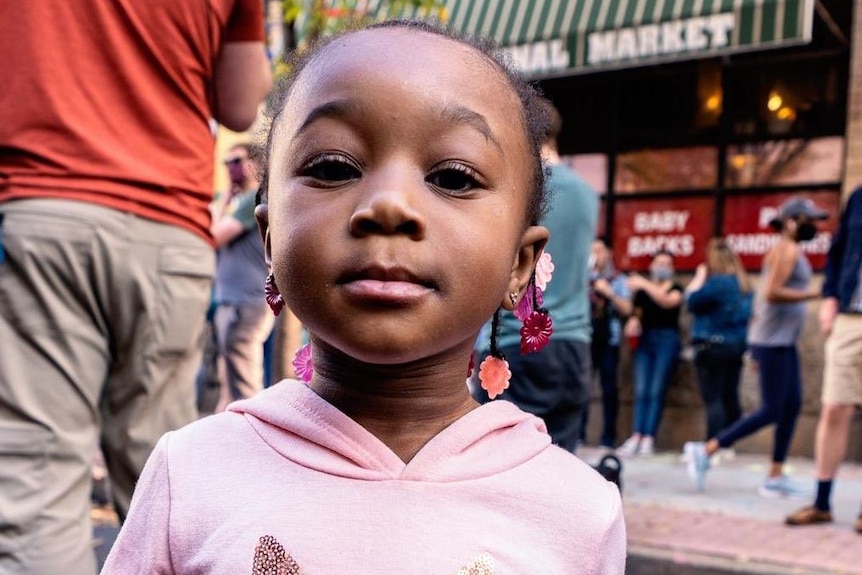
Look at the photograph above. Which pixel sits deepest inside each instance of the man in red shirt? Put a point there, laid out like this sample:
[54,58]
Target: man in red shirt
[106,260]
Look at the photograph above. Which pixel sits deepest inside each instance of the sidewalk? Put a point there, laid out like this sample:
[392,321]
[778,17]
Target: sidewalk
[729,528]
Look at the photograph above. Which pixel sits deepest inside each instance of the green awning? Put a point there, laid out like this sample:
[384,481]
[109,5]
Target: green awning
[558,37]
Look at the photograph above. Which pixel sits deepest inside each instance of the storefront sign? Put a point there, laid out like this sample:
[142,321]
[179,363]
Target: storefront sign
[553,37]
[747,231]
[680,226]
[690,35]
[675,37]
[541,57]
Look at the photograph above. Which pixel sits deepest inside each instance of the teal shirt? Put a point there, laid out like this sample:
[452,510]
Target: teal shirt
[571,219]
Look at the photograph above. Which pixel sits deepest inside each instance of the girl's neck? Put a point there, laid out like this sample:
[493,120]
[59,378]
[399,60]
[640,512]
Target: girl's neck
[403,407]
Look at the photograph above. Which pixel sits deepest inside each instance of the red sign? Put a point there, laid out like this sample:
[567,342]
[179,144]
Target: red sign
[681,226]
[747,231]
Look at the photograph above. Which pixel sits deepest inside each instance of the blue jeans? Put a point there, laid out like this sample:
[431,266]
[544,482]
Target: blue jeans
[781,399]
[655,361]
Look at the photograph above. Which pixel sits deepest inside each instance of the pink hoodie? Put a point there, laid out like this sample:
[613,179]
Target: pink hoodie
[285,483]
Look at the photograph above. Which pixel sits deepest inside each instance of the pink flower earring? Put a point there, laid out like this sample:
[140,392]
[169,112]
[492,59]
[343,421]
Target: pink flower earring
[538,327]
[494,373]
[302,363]
[273,297]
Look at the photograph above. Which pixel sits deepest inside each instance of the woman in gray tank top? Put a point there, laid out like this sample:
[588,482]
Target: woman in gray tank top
[779,316]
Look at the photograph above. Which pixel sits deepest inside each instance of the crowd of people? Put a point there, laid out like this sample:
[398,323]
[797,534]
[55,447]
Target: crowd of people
[395,207]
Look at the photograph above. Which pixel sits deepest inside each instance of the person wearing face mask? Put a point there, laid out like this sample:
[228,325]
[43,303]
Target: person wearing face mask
[779,316]
[655,321]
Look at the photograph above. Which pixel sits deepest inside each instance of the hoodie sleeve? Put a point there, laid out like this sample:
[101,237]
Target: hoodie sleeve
[611,554]
[143,546]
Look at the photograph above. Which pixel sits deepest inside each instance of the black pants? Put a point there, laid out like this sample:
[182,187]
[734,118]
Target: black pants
[554,385]
[606,362]
[718,371]
[781,397]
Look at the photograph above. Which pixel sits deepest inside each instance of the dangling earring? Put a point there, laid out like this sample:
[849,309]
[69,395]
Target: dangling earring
[494,374]
[273,297]
[538,327]
[302,363]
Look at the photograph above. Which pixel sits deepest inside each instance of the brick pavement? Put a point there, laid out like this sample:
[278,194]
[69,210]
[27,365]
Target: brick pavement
[730,524]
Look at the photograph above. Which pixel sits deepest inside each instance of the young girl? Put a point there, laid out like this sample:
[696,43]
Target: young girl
[404,188]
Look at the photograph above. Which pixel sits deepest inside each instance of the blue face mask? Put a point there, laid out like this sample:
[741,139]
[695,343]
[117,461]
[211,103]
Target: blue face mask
[661,274]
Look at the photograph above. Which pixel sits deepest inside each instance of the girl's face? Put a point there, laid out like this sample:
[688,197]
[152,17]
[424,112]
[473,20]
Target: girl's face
[399,181]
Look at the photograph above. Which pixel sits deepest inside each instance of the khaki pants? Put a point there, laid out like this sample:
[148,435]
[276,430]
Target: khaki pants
[241,331]
[101,320]
[842,372]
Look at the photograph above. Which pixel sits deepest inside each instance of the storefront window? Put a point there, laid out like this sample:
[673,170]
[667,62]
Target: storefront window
[799,97]
[709,147]
[593,168]
[601,228]
[667,170]
[669,107]
[785,162]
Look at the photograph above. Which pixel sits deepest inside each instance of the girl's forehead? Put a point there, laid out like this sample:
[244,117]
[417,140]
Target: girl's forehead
[442,66]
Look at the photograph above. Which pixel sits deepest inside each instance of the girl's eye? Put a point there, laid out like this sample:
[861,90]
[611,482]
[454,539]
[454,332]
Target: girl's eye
[333,168]
[455,178]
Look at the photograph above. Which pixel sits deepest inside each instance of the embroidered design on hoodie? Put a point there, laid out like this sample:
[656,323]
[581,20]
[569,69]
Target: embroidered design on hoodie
[481,565]
[270,558]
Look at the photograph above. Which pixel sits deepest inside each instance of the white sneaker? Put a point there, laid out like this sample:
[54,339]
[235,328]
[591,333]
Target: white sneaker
[629,448]
[782,487]
[646,448]
[697,463]
[723,455]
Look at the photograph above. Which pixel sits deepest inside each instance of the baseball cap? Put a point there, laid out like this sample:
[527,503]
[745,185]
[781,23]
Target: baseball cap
[796,207]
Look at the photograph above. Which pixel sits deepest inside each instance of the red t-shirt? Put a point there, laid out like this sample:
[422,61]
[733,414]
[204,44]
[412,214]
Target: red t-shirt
[109,101]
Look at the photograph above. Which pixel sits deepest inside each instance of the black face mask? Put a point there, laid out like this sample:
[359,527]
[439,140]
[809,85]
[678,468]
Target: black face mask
[805,231]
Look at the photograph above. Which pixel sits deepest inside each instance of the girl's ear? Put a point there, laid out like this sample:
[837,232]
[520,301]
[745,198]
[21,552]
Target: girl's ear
[261,213]
[532,244]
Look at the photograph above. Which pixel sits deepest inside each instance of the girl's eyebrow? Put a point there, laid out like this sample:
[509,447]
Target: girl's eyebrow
[339,109]
[459,114]
[454,114]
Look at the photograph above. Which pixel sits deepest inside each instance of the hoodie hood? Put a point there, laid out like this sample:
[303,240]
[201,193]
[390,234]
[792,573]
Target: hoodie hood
[302,427]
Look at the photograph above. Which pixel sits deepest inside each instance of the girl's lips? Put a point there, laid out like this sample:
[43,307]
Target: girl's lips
[386,291]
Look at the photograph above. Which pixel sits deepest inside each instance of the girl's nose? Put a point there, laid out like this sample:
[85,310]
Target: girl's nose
[390,207]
